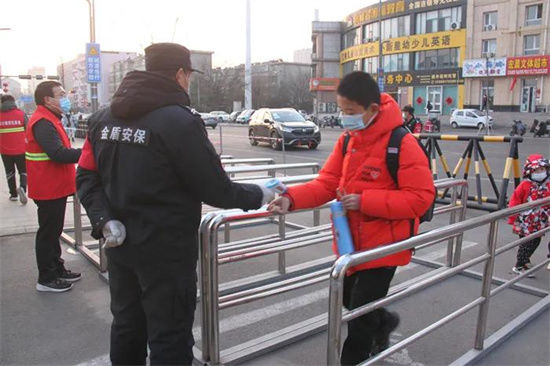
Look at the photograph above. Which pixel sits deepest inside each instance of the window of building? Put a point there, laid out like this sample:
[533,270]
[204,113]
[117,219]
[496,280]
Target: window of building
[370,32]
[488,47]
[396,27]
[351,66]
[490,21]
[370,65]
[438,20]
[533,14]
[352,38]
[531,44]
[396,62]
[437,59]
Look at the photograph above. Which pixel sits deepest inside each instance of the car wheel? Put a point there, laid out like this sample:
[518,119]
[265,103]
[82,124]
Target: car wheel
[275,144]
[313,145]
[480,125]
[251,138]
[214,127]
[454,124]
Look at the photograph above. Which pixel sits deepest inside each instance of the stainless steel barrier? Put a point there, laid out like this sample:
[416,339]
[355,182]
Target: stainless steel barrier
[213,255]
[336,316]
[269,169]
[251,161]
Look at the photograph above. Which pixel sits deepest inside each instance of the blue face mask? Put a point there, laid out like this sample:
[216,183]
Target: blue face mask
[354,122]
[65,104]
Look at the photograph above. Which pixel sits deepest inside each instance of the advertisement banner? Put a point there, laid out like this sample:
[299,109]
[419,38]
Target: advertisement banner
[528,65]
[417,42]
[419,78]
[478,68]
[323,84]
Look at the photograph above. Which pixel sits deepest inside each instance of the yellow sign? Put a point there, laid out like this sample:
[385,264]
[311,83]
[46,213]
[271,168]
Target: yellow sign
[371,13]
[93,51]
[417,42]
[420,4]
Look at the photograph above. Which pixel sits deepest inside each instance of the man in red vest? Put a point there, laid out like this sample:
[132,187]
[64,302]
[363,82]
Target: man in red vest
[51,177]
[12,146]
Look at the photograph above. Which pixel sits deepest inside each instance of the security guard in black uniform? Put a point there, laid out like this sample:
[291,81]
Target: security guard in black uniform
[146,167]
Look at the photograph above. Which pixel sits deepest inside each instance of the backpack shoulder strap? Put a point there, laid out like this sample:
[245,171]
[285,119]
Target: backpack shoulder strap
[345,144]
[392,152]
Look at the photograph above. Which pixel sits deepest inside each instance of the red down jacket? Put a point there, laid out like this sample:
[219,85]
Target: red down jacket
[388,214]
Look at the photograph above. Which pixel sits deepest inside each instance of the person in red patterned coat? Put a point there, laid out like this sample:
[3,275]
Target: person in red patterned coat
[535,186]
[379,211]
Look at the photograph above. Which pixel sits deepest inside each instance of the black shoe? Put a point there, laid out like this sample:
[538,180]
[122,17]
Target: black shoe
[69,276]
[382,339]
[22,195]
[13,198]
[56,285]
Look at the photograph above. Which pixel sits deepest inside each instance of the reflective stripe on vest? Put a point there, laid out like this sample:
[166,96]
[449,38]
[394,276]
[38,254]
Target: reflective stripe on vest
[37,156]
[14,129]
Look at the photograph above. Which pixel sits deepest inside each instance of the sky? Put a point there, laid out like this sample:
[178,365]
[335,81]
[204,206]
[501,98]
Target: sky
[47,32]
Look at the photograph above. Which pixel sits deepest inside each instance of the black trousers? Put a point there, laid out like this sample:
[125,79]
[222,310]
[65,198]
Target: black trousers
[10,163]
[361,288]
[152,302]
[526,250]
[51,217]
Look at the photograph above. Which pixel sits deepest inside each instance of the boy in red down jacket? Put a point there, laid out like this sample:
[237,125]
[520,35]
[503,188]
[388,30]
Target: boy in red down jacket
[379,212]
[535,186]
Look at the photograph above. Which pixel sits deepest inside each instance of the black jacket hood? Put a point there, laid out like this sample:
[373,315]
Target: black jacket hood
[7,106]
[142,92]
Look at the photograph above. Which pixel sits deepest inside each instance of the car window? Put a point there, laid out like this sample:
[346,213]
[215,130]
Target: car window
[287,116]
[470,114]
[460,114]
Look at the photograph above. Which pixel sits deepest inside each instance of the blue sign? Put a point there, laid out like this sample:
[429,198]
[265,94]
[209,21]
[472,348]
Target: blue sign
[93,62]
[381,79]
[26,99]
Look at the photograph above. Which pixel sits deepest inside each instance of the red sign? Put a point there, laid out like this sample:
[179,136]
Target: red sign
[328,84]
[528,65]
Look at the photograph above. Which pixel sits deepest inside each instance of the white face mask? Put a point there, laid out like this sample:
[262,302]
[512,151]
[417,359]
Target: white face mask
[539,177]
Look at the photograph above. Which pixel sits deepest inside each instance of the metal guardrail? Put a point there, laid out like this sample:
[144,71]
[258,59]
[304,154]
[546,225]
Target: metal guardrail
[251,161]
[336,316]
[269,169]
[213,255]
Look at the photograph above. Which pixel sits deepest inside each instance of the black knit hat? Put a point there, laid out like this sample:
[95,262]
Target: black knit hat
[167,57]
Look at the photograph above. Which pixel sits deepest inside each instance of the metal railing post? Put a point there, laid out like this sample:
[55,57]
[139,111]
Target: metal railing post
[214,326]
[102,256]
[77,212]
[226,233]
[452,220]
[221,141]
[458,241]
[486,287]
[282,235]
[335,301]
[316,212]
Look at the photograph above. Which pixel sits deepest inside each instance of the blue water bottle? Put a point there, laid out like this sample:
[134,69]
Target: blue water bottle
[341,227]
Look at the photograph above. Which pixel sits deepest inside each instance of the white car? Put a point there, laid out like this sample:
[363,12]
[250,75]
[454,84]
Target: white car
[221,116]
[469,118]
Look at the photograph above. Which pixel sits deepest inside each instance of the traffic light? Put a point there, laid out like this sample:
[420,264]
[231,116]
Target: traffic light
[27,77]
[39,77]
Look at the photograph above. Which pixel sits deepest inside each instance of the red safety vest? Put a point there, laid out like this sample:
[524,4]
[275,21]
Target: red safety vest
[47,180]
[12,132]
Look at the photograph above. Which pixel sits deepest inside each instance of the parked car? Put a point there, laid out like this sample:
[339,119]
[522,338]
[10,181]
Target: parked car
[470,118]
[221,115]
[270,125]
[209,120]
[245,115]
[233,116]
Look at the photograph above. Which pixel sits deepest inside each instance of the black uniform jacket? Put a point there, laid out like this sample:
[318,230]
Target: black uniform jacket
[147,162]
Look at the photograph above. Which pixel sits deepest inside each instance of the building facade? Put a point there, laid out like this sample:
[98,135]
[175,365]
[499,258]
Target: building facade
[508,58]
[325,57]
[423,45]
[73,76]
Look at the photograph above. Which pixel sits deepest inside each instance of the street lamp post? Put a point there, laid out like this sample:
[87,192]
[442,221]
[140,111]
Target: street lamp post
[488,55]
[93,86]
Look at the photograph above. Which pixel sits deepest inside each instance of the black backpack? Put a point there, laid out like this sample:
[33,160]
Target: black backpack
[392,160]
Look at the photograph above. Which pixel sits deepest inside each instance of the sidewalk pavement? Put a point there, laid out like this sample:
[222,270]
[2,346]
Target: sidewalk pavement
[16,218]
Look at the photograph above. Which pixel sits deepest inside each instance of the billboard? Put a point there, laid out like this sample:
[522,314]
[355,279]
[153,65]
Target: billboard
[528,65]
[478,67]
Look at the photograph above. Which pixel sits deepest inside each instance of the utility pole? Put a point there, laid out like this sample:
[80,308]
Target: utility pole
[247,66]
[93,86]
